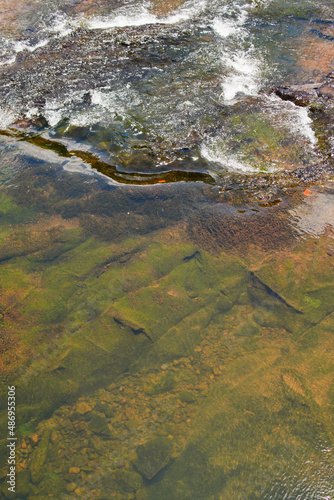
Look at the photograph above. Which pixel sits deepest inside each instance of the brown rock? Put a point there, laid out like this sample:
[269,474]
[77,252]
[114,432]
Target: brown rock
[54,437]
[71,487]
[74,470]
[80,492]
[83,408]
[34,439]
[326,91]
[301,95]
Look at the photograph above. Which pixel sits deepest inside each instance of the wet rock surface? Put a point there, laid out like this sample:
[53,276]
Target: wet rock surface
[305,94]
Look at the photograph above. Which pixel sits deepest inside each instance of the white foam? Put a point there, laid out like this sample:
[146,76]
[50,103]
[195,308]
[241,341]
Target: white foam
[114,100]
[19,46]
[224,28]
[53,114]
[63,25]
[241,66]
[292,117]
[144,16]
[105,104]
[131,15]
[214,151]
[7,117]
[230,27]
[302,123]
[8,61]
[244,79]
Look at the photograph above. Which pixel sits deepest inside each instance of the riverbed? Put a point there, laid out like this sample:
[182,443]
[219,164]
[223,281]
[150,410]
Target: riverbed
[166,249]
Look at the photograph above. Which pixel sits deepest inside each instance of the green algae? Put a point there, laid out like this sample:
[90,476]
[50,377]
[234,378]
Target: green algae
[172,318]
[11,213]
[39,457]
[304,282]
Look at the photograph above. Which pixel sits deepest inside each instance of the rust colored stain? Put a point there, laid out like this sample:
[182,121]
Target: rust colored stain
[10,12]
[317,57]
[164,8]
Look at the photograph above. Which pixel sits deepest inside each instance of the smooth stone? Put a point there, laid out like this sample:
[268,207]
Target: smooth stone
[187,397]
[153,456]
[99,425]
[128,480]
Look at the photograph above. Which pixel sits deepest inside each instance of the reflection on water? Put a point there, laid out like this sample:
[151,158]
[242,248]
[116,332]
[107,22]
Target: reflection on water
[316,215]
[166,252]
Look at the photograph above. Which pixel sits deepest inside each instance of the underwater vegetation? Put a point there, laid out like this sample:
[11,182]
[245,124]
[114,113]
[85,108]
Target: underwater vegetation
[144,345]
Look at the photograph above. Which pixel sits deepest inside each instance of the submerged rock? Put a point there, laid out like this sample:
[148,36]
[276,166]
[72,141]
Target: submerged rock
[153,456]
[187,397]
[51,485]
[22,487]
[99,425]
[39,457]
[128,480]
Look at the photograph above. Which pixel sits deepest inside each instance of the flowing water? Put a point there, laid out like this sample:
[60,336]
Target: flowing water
[166,249]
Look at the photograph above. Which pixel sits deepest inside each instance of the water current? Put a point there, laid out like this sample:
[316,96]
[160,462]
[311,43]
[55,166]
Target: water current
[166,249]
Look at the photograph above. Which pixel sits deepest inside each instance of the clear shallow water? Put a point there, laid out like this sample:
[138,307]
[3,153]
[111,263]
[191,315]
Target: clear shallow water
[132,83]
[166,251]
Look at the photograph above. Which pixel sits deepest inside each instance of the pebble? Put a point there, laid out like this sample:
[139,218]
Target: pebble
[83,408]
[74,470]
[120,464]
[54,437]
[71,487]
[80,492]
[34,439]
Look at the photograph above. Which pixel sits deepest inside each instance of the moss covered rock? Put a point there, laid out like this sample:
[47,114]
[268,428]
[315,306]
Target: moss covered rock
[128,480]
[51,485]
[39,457]
[99,425]
[153,456]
